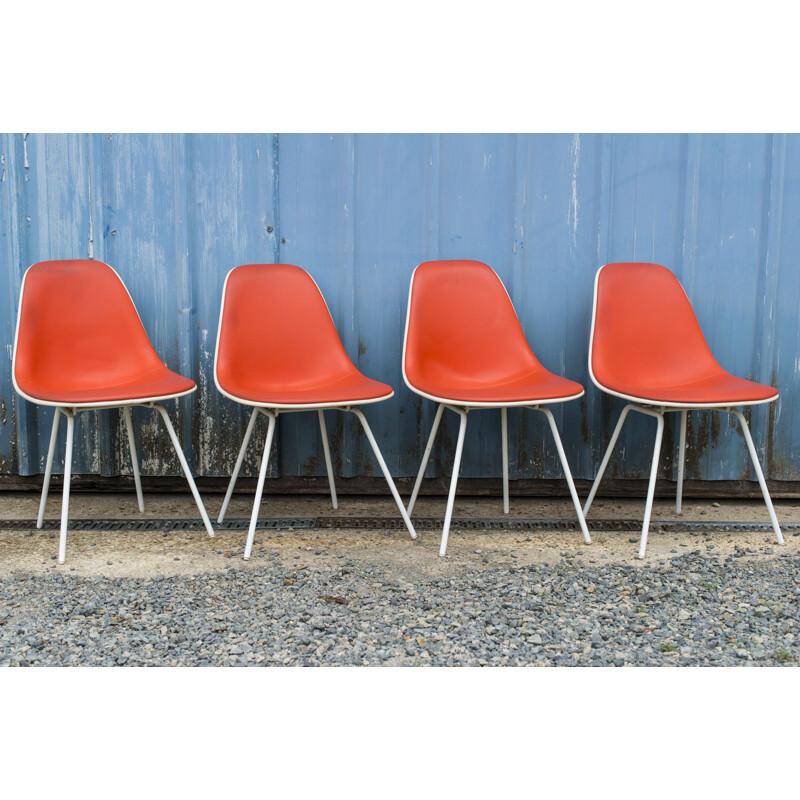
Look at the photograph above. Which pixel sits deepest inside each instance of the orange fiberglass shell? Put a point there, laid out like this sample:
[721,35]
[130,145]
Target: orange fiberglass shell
[464,343]
[80,340]
[647,344]
[277,344]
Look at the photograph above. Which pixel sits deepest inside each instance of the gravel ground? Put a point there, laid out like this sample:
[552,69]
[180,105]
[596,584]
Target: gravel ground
[377,598]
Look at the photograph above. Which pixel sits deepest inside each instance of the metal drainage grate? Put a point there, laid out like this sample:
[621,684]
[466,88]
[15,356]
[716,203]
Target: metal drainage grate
[521,524]
[391,523]
[265,523]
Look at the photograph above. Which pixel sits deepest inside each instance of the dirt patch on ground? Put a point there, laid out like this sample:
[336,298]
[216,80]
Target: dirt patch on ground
[150,553]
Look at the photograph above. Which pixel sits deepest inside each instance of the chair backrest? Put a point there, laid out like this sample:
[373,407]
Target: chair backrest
[78,327]
[274,324]
[462,328]
[644,330]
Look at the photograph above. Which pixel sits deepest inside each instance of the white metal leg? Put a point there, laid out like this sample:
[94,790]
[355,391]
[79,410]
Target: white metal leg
[425,458]
[759,474]
[185,466]
[134,457]
[606,457]
[681,461]
[329,465]
[567,474]
[262,474]
[385,469]
[240,458]
[648,509]
[451,497]
[49,468]
[62,539]
[504,427]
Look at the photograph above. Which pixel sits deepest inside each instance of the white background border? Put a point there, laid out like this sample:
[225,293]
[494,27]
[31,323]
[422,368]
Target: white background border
[413,66]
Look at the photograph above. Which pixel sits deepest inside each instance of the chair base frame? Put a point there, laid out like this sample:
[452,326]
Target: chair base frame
[462,411]
[272,414]
[69,412]
[658,412]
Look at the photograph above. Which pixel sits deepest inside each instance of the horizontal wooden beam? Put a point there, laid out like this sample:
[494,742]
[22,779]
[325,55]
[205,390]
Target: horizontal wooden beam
[475,487]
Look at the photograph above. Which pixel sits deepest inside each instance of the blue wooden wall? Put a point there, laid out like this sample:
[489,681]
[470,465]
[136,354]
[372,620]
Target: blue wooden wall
[174,213]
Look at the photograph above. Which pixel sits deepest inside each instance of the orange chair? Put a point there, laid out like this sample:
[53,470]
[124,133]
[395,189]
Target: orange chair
[647,347]
[465,349]
[81,346]
[278,351]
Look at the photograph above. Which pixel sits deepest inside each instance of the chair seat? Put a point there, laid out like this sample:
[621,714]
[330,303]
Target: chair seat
[721,389]
[531,387]
[351,388]
[647,343]
[70,389]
